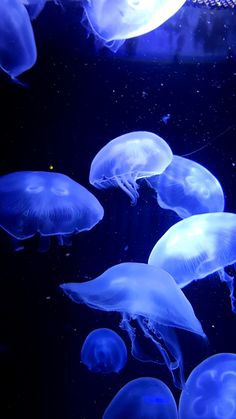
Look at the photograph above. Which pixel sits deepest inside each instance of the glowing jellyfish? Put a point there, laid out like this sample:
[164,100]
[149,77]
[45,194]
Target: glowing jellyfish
[198,246]
[46,203]
[210,390]
[127,158]
[150,297]
[114,21]
[17,46]
[104,351]
[144,397]
[34,7]
[188,188]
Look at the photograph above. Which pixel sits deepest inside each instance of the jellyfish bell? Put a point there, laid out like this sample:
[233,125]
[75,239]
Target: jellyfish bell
[196,247]
[47,203]
[128,158]
[104,351]
[210,390]
[188,188]
[114,21]
[17,46]
[149,297]
[144,397]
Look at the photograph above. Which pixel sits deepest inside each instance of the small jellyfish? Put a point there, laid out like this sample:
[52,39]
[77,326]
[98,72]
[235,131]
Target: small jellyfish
[104,351]
[34,7]
[145,397]
[114,21]
[196,247]
[46,203]
[127,158]
[210,390]
[17,46]
[165,118]
[150,297]
[188,188]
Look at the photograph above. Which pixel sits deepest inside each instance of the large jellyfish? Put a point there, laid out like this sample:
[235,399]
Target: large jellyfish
[149,296]
[127,158]
[145,397]
[210,390]
[46,203]
[17,44]
[188,188]
[104,351]
[198,246]
[114,21]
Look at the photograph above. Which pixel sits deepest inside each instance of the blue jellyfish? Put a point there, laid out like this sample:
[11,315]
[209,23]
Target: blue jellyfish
[34,7]
[114,21]
[188,188]
[104,351]
[17,46]
[127,158]
[46,203]
[145,397]
[150,297]
[210,390]
[196,247]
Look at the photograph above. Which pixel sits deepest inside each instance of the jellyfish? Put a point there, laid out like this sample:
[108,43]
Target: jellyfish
[144,397]
[210,390]
[127,158]
[17,46]
[104,351]
[34,7]
[46,203]
[198,246]
[150,298]
[114,21]
[188,188]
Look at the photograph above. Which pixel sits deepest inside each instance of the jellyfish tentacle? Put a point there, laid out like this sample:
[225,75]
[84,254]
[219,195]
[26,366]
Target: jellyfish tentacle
[64,240]
[176,366]
[229,280]
[168,335]
[129,188]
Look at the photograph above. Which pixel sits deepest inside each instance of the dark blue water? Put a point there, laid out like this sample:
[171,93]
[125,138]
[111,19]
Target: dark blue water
[78,99]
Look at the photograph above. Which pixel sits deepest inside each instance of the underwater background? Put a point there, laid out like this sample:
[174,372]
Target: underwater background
[77,99]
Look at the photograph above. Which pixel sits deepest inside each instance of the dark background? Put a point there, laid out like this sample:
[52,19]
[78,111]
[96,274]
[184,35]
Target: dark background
[79,98]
